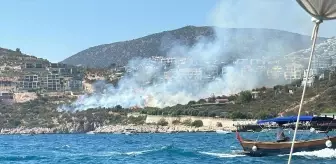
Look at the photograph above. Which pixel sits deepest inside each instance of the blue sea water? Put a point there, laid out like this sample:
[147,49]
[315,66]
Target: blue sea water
[178,148]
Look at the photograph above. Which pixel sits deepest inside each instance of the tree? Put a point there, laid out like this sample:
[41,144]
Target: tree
[201,101]
[191,102]
[245,96]
[187,122]
[212,114]
[232,98]
[118,107]
[238,115]
[297,82]
[112,65]
[197,123]
[176,122]
[18,50]
[262,115]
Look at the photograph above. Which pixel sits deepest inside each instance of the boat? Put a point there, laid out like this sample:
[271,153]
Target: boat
[90,132]
[223,132]
[260,148]
[129,132]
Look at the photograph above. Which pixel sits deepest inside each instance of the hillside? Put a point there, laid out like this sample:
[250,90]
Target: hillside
[326,49]
[251,42]
[16,57]
[269,102]
[13,60]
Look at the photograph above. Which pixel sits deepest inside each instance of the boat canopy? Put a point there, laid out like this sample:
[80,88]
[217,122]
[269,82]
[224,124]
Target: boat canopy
[319,9]
[290,119]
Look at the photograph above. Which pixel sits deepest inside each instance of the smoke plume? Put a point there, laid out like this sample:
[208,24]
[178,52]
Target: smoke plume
[184,81]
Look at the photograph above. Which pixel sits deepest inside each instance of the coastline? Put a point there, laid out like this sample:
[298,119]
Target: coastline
[114,129]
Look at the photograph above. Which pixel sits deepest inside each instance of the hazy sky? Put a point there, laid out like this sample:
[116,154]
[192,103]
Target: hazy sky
[56,29]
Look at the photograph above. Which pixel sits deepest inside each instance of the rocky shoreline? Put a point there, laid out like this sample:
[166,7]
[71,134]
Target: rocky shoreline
[114,129]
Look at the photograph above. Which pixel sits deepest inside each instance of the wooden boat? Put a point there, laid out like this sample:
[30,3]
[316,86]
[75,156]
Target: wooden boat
[260,148]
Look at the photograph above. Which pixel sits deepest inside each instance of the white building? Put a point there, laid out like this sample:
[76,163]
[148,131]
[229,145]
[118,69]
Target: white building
[184,73]
[276,72]
[293,72]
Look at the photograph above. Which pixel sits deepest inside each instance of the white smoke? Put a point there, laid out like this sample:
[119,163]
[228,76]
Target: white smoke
[138,88]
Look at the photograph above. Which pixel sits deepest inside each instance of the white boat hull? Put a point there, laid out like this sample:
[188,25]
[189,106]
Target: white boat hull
[223,132]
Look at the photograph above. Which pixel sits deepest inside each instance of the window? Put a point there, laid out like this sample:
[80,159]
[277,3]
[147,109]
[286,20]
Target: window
[38,65]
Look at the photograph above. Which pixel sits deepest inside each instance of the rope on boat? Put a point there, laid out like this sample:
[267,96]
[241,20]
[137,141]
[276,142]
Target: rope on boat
[314,36]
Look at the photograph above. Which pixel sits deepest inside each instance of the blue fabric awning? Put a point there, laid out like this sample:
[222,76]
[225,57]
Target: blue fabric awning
[285,120]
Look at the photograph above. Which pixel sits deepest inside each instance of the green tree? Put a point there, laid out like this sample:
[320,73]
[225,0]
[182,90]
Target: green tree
[18,51]
[191,102]
[245,97]
[232,98]
[197,123]
[118,107]
[202,101]
[238,115]
[112,65]
[187,122]
[262,115]
[176,122]
[219,124]
[297,82]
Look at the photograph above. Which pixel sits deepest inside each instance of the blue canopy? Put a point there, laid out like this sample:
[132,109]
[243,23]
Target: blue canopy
[289,119]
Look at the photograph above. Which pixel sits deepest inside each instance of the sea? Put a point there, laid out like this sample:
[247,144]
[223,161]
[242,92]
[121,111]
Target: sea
[176,148]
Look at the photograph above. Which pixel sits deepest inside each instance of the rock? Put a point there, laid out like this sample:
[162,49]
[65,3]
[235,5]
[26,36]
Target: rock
[83,127]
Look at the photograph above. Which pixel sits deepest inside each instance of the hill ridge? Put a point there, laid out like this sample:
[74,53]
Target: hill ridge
[159,44]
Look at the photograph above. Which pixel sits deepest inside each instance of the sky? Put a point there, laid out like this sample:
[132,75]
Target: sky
[57,29]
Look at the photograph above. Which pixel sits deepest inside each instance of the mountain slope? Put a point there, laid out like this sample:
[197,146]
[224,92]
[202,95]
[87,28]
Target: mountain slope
[238,42]
[326,49]
[12,61]
[17,58]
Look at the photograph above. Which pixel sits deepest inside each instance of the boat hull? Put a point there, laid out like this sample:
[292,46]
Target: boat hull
[276,148]
[223,132]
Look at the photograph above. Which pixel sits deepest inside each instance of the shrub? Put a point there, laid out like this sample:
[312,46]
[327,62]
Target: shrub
[245,96]
[176,122]
[238,115]
[219,124]
[202,101]
[162,122]
[137,120]
[187,122]
[118,107]
[212,114]
[191,102]
[197,123]
[232,98]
